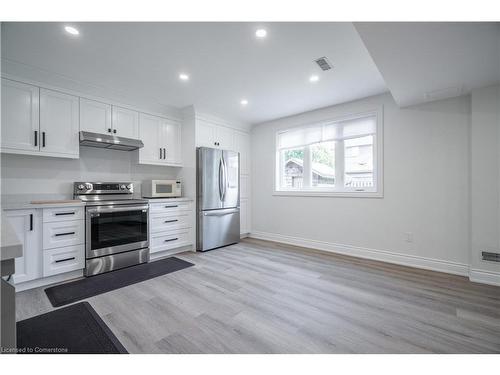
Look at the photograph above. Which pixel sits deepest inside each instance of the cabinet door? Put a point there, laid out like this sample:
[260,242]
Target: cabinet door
[149,133]
[26,225]
[172,140]
[59,123]
[244,216]
[241,145]
[224,138]
[95,116]
[205,134]
[125,122]
[20,120]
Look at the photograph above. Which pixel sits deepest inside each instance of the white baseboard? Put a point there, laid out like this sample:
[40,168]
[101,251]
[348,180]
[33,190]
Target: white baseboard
[367,253]
[484,277]
[46,281]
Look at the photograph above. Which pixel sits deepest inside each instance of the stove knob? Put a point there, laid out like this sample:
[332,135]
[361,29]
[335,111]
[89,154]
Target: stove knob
[122,187]
[129,186]
[81,187]
[88,186]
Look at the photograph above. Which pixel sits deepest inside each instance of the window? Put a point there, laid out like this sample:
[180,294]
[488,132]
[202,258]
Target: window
[331,158]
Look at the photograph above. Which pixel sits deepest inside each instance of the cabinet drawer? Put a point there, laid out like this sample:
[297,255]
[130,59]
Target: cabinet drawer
[169,221]
[170,240]
[63,259]
[62,214]
[63,233]
[169,207]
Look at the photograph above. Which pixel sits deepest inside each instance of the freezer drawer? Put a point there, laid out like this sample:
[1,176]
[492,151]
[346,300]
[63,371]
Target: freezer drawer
[218,228]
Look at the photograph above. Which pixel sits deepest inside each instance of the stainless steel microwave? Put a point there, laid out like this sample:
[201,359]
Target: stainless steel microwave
[161,189]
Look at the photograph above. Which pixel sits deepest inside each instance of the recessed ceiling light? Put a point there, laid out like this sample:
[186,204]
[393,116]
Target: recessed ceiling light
[244,102]
[261,33]
[314,78]
[71,30]
[183,77]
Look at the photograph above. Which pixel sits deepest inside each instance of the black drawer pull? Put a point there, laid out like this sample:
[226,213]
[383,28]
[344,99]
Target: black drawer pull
[43,139]
[31,222]
[36,138]
[64,213]
[172,239]
[172,206]
[64,234]
[171,221]
[64,260]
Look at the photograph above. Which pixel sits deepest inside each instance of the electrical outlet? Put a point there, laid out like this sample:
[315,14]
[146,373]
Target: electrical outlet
[408,236]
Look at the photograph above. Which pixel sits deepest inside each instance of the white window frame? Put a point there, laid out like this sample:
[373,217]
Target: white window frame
[378,168]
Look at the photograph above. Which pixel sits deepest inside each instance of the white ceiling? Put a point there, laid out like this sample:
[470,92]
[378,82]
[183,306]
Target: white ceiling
[429,61]
[224,60]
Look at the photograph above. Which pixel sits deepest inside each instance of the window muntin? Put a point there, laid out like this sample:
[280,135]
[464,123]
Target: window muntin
[338,156]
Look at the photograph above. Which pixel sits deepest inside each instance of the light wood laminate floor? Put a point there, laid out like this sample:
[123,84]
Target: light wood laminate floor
[263,297]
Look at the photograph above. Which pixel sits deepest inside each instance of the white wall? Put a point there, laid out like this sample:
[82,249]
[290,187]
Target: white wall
[36,175]
[426,189]
[485,182]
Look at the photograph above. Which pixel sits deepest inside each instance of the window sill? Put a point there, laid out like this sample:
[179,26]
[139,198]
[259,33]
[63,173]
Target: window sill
[339,194]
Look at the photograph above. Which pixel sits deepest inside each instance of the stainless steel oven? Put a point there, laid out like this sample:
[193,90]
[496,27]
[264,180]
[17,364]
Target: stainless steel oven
[116,226]
[114,229]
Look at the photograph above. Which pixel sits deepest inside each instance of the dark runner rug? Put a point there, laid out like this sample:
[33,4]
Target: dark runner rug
[71,330]
[64,294]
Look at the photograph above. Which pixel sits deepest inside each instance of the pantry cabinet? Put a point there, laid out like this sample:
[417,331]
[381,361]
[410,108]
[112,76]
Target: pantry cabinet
[27,225]
[20,117]
[162,141]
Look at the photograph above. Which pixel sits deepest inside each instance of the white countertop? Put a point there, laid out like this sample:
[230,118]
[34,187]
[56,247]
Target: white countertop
[10,246]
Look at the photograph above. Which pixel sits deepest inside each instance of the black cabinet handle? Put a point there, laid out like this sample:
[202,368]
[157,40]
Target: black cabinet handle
[160,153]
[64,234]
[43,139]
[171,221]
[171,206]
[109,130]
[114,131]
[36,137]
[31,222]
[164,153]
[64,260]
[64,213]
[172,239]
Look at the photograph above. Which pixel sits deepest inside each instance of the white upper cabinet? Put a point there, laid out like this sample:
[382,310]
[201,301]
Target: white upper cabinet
[95,116]
[149,130]
[162,141]
[205,134]
[172,140]
[59,123]
[215,136]
[224,138]
[242,145]
[20,120]
[125,122]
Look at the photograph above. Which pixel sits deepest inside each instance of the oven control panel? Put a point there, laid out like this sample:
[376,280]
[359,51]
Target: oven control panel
[103,188]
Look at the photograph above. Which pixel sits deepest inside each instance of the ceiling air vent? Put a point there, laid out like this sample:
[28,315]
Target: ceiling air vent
[323,63]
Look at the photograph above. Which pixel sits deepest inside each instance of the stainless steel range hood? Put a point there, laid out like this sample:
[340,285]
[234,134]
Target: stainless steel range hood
[109,141]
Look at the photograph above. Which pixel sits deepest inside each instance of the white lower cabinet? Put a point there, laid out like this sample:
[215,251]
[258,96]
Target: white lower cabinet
[52,244]
[244,216]
[27,225]
[63,233]
[63,259]
[171,226]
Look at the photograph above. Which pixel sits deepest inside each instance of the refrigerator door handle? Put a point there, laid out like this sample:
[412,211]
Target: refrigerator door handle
[220,178]
[221,212]
[225,180]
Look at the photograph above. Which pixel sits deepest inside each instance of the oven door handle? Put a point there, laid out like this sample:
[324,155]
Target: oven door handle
[117,209]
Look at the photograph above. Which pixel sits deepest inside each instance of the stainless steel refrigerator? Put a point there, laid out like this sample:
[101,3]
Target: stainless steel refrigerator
[218,198]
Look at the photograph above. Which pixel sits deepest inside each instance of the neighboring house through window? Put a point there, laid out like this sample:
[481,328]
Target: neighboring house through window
[340,156]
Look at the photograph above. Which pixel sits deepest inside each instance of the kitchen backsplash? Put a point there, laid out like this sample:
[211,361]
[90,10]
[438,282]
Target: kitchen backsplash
[23,174]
